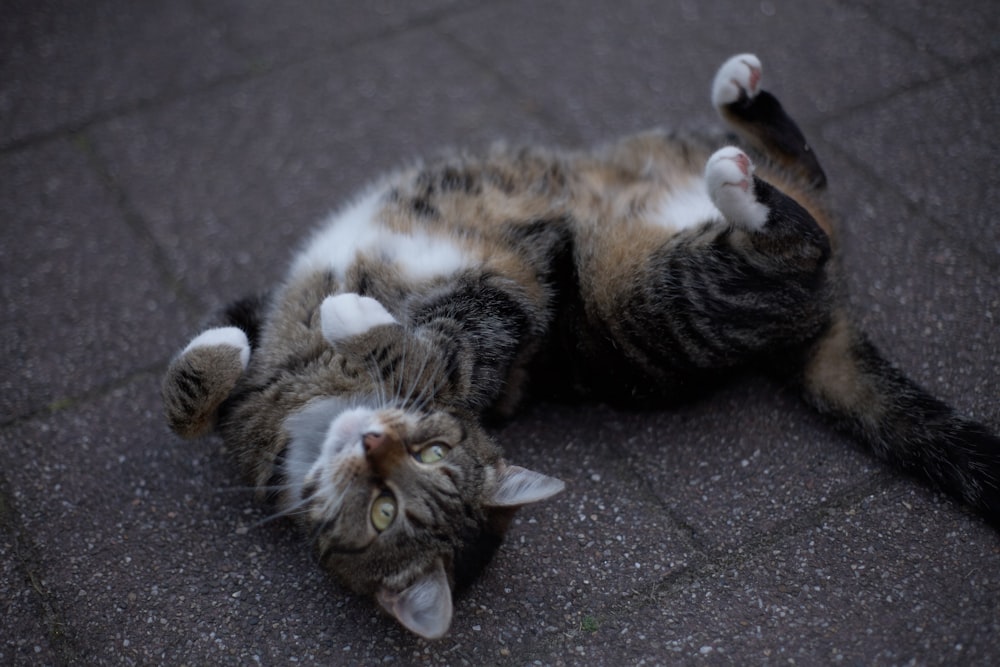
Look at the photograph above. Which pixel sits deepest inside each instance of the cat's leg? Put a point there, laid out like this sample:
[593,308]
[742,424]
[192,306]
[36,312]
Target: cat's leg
[469,338]
[758,116]
[693,306]
[787,231]
[200,378]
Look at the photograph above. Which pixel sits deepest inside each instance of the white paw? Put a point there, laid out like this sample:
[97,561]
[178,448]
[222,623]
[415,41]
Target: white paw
[738,77]
[346,315]
[729,176]
[229,336]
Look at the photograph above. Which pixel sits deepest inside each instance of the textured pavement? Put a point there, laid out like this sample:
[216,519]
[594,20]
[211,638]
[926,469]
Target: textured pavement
[160,158]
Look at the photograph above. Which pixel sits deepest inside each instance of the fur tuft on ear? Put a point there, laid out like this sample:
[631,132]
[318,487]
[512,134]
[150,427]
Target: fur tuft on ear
[519,486]
[424,607]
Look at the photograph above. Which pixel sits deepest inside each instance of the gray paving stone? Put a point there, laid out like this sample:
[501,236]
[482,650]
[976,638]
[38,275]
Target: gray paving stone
[925,295]
[820,58]
[598,71]
[588,549]
[738,466]
[608,71]
[83,302]
[268,34]
[264,160]
[149,548]
[24,628]
[64,62]
[958,32]
[933,146]
[894,581]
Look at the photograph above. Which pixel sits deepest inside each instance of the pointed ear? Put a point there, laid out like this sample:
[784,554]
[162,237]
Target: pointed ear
[519,486]
[425,607]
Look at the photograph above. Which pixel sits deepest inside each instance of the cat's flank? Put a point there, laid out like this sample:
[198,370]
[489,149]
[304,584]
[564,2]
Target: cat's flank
[641,272]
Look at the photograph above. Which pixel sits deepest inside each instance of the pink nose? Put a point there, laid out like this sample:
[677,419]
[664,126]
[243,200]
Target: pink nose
[372,441]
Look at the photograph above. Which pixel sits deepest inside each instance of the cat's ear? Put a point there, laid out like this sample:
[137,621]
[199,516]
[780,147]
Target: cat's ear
[425,606]
[519,486]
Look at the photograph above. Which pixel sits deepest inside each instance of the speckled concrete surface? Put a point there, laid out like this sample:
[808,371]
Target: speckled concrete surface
[158,159]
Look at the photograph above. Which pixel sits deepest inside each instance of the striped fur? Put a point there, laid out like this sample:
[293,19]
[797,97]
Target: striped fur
[632,272]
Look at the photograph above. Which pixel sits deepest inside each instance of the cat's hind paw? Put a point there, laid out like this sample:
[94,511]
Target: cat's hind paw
[200,378]
[737,80]
[345,315]
[730,181]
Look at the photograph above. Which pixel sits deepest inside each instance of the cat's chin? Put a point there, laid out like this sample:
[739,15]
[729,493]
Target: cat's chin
[323,428]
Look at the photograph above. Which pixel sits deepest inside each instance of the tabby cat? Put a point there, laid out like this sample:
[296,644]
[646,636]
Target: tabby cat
[642,272]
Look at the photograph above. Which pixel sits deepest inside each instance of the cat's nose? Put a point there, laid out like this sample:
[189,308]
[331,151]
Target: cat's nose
[372,441]
[384,452]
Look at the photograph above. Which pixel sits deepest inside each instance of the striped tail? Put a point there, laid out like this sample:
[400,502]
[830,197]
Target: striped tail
[846,378]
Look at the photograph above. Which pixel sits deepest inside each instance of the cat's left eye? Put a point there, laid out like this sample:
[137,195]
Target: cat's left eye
[432,453]
[383,511]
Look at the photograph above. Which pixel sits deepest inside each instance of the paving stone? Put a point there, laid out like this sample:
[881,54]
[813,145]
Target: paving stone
[24,624]
[912,145]
[926,296]
[150,549]
[64,63]
[83,302]
[608,71]
[263,161]
[959,32]
[893,581]
[268,34]
[737,466]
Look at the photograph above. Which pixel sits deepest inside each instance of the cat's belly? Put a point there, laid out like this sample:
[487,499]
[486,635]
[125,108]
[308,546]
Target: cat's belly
[356,233]
[687,206]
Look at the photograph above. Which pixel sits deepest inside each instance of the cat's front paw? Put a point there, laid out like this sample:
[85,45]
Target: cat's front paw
[729,176]
[200,378]
[345,315]
[737,80]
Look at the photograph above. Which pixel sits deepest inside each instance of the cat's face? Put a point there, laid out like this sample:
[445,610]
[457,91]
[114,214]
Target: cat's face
[403,502]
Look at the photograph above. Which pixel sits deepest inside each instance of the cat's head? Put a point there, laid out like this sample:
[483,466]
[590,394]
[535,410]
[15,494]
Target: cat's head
[404,504]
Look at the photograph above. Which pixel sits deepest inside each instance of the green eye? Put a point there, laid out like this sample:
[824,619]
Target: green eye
[383,511]
[432,453]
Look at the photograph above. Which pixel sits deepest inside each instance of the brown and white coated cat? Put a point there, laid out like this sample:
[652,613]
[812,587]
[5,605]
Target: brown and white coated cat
[644,271]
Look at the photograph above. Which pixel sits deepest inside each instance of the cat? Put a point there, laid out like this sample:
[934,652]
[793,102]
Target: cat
[642,272]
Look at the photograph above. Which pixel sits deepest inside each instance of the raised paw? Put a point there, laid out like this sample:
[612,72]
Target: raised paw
[346,315]
[200,378]
[729,177]
[738,79]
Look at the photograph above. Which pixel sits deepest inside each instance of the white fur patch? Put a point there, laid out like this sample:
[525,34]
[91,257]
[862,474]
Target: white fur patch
[229,336]
[346,315]
[688,206]
[422,256]
[321,435]
[356,232]
[738,76]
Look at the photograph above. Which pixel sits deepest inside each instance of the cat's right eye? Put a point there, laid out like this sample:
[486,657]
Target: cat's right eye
[383,511]
[432,453]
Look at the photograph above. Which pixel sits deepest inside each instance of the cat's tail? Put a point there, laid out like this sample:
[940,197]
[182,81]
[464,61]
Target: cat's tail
[845,377]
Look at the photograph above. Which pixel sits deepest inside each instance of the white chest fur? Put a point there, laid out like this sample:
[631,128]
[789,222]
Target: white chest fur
[356,232]
[687,206]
